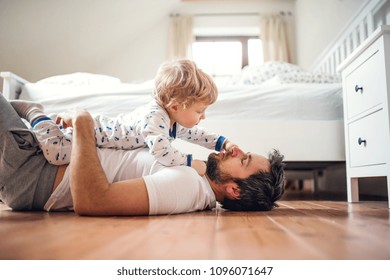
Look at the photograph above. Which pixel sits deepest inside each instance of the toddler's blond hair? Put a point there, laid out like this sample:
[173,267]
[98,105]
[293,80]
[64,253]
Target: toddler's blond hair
[183,82]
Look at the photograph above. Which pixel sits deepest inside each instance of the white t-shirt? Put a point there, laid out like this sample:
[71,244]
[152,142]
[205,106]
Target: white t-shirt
[171,190]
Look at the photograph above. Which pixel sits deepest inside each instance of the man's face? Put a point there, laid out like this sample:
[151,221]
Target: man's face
[234,164]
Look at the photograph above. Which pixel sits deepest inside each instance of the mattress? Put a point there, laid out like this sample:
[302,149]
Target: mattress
[272,91]
[272,101]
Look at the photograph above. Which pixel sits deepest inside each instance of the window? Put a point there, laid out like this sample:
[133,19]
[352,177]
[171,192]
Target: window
[226,56]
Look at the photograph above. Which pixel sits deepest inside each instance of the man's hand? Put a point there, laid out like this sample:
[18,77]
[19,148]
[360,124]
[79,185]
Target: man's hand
[66,119]
[199,166]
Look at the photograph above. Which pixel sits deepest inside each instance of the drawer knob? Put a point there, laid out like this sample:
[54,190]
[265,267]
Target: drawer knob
[357,89]
[362,141]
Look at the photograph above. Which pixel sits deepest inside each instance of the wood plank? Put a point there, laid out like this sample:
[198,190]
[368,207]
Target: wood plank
[298,229]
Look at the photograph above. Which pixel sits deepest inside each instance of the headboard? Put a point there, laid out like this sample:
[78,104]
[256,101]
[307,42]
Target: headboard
[12,85]
[372,14]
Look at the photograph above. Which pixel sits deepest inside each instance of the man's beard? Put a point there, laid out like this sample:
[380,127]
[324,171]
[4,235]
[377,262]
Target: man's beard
[213,171]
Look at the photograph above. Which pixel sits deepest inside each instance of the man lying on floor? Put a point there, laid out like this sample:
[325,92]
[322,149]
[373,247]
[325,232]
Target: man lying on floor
[118,182]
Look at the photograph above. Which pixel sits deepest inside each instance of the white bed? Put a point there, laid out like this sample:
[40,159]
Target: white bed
[287,109]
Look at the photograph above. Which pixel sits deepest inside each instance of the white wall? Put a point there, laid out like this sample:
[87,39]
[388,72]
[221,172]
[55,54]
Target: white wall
[123,38]
[128,38]
[317,22]
[47,37]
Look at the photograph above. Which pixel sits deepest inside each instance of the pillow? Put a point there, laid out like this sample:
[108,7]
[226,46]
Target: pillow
[80,78]
[308,77]
[259,74]
[286,73]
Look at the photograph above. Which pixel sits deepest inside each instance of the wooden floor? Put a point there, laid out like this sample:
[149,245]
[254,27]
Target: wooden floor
[301,229]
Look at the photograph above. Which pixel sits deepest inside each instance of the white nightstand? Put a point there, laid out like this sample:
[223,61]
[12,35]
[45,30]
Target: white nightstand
[366,92]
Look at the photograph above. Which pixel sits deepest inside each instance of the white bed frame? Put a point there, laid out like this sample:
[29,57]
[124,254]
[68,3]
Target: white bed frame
[306,145]
[367,19]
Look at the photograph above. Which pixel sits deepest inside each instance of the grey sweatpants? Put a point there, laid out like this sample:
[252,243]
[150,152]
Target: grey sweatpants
[26,178]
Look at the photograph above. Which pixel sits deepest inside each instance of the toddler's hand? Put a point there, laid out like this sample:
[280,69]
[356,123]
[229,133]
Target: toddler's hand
[199,166]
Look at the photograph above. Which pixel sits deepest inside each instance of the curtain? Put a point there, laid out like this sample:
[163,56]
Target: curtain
[180,37]
[274,35]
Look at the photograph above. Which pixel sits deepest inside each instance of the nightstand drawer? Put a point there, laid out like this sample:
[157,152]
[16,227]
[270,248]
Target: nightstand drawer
[366,85]
[366,140]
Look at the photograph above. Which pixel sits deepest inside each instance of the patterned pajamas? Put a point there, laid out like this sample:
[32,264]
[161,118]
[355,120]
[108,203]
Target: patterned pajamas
[147,126]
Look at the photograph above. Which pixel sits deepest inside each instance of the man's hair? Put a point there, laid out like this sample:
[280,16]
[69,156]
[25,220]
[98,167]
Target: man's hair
[259,191]
[183,82]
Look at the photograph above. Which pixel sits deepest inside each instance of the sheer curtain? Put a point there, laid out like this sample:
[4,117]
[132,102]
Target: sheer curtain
[180,37]
[274,35]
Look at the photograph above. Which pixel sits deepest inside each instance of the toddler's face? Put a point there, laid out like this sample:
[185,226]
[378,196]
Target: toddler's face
[192,115]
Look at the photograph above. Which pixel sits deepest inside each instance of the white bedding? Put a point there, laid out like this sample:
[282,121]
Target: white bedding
[272,91]
[272,101]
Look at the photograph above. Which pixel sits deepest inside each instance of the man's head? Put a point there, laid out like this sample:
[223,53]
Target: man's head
[252,182]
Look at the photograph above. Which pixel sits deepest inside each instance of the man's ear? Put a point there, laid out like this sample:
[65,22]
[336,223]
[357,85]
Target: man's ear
[232,190]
